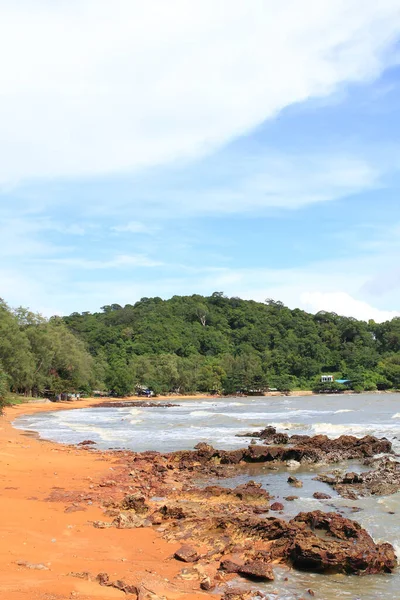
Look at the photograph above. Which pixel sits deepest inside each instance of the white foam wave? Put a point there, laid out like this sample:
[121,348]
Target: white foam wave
[396,550]
[283,425]
[396,416]
[343,410]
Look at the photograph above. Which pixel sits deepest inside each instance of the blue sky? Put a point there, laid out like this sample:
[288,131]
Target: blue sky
[165,150]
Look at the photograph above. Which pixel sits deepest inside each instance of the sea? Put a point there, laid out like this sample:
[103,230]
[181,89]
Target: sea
[218,421]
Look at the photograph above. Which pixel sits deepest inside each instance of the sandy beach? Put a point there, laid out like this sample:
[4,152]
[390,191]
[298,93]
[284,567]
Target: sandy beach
[43,536]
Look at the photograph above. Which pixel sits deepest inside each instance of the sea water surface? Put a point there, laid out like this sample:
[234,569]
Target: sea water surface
[217,421]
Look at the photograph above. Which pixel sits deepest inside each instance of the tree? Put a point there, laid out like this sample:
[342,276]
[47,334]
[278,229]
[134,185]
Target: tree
[4,387]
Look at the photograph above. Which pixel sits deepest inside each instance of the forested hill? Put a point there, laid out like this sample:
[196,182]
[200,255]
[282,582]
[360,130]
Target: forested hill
[193,343]
[201,343]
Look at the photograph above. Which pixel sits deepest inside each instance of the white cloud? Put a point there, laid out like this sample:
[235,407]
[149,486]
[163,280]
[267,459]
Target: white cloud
[344,304]
[132,227]
[120,261]
[94,87]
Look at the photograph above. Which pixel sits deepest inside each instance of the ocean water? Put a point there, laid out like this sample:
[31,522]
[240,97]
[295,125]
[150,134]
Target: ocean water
[217,421]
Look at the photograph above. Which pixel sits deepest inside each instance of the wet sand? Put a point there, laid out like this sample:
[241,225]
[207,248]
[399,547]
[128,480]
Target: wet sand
[38,531]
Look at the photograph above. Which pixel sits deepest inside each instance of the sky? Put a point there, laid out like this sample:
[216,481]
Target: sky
[162,148]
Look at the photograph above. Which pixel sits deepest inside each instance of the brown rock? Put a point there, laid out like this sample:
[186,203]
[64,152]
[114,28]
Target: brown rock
[136,502]
[321,496]
[294,481]
[187,554]
[229,566]
[206,584]
[276,506]
[257,569]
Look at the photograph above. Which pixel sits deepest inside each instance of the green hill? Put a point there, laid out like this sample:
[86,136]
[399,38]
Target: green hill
[194,343]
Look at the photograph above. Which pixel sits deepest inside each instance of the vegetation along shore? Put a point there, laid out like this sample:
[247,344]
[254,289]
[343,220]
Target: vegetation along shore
[194,344]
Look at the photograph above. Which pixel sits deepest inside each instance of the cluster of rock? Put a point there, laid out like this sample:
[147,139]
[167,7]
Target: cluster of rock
[229,532]
[300,448]
[383,480]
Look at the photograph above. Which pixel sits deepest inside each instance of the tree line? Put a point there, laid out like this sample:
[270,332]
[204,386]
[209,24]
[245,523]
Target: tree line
[41,356]
[194,343]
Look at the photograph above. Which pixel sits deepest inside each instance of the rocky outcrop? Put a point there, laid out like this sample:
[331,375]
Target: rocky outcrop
[230,527]
[381,481]
[302,449]
[252,569]
[346,547]
[187,554]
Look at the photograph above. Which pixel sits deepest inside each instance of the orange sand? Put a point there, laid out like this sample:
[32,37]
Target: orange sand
[39,531]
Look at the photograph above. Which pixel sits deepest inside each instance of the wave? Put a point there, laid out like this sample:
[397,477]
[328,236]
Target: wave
[343,410]
[134,411]
[396,416]
[283,425]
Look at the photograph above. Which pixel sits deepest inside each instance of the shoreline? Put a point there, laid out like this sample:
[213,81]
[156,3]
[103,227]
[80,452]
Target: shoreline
[38,480]
[52,494]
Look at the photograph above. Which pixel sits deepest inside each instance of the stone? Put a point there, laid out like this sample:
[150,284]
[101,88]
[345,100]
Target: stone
[321,496]
[276,506]
[187,553]
[206,584]
[294,481]
[257,569]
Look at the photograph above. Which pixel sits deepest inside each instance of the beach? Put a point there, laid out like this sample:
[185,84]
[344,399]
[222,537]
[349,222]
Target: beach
[64,522]
[52,539]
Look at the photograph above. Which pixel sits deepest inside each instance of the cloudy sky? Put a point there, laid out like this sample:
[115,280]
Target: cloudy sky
[191,146]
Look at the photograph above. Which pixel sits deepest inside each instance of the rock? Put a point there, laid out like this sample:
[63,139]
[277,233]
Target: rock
[276,506]
[229,566]
[235,593]
[321,496]
[187,554]
[291,498]
[136,502]
[294,481]
[257,569]
[267,433]
[86,443]
[381,481]
[189,574]
[103,578]
[346,546]
[206,584]
[128,521]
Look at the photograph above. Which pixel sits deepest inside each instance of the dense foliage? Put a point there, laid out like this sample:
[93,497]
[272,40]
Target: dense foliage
[40,356]
[196,343]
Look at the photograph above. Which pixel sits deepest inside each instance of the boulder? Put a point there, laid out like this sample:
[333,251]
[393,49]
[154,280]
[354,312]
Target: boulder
[187,554]
[321,496]
[276,506]
[257,569]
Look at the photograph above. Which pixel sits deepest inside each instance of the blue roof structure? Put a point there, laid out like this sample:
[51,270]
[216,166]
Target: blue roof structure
[342,380]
